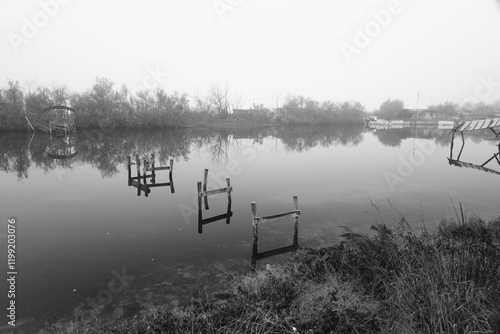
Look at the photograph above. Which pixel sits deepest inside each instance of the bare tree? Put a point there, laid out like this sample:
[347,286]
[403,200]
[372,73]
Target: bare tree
[59,94]
[202,104]
[276,97]
[238,101]
[30,85]
[217,95]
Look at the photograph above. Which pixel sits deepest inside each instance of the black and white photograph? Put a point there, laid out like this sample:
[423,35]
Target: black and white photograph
[237,166]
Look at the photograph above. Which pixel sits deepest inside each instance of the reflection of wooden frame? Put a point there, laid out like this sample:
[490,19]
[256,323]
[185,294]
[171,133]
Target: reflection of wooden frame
[458,163]
[204,194]
[63,148]
[135,181]
[256,221]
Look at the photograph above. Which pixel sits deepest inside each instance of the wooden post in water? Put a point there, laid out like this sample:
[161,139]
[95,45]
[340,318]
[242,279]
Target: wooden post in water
[259,220]
[144,166]
[296,224]
[138,165]
[152,167]
[462,148]
[255,250]
[451,146]
[200,218]
[145,170]
[129,163]
[172,190]
[205,178]
[255,226]
[228,181]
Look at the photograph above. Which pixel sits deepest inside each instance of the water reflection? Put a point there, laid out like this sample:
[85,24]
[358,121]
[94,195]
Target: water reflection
[299,139]
[62,147]
[203,196]
[480,166]
[256,221]
[337,173]
[394,137]
[106,152]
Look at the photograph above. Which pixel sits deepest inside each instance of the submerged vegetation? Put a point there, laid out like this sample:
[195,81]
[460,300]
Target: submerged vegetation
[394,281]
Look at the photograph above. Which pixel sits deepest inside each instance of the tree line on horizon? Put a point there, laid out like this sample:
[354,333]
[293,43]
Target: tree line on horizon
[104,105]
[395,110]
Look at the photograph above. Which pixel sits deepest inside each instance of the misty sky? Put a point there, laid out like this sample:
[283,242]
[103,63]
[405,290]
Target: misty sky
[367,51]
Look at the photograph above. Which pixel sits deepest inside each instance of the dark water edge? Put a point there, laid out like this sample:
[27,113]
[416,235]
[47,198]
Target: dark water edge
[397,280]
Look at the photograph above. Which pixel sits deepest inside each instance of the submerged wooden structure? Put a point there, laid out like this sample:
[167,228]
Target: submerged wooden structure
[62,147]
[203,197]
[475,125]
[148,165]
[256,221]
[57,119]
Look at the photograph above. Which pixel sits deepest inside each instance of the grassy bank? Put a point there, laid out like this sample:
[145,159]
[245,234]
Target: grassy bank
[394,281]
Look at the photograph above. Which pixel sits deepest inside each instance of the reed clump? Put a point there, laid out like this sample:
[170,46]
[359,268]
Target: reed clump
[398,280]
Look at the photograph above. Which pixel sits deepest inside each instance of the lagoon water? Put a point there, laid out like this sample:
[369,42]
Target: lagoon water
[81,228]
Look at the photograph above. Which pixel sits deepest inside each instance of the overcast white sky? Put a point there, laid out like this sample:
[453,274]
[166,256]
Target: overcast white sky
[436,48]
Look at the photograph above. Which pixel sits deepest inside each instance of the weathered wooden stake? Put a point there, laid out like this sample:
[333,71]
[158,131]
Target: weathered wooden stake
[171,180]
[229,201]
[255,226]
[255,252]
[205,178]
[296,225]
[200,226]
[129,163]
[228,182]
[138,165]
[257,220]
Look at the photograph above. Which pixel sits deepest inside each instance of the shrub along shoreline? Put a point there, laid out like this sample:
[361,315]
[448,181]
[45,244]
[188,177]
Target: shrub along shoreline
[395,281]
[105,106]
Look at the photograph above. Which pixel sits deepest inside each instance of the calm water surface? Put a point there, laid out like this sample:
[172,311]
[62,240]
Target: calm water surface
[80,227]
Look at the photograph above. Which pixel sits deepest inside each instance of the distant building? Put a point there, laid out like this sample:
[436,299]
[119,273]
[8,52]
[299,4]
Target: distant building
[241,112]
[428,114]
[464,113]
[420,113]
[245,113]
